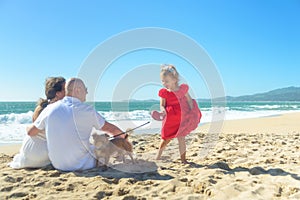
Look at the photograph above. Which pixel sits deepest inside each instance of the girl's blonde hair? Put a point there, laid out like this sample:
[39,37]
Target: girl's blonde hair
[169,70]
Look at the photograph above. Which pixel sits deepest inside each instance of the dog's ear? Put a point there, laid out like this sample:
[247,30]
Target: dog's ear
[129,131]
[94,135]
[126,136]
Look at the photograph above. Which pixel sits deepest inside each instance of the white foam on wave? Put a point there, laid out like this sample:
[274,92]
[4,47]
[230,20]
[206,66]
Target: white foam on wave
[136,115]
[13,126]
[13,118]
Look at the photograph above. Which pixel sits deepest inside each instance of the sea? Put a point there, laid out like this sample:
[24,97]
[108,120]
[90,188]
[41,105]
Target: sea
[15,116]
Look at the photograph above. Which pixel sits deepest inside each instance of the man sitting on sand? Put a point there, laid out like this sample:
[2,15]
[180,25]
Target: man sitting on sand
[68,124]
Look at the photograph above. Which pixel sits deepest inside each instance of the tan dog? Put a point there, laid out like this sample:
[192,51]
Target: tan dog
[105,147]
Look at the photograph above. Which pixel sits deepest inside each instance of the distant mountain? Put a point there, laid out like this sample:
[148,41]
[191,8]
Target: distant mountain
[283,94]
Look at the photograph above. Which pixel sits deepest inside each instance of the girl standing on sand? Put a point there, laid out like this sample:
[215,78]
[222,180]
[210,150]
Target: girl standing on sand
[34,151]
[179,111]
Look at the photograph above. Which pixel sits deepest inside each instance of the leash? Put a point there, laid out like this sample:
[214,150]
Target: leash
[111,137]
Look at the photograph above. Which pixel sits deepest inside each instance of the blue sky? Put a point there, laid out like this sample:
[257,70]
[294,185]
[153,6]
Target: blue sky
[255,45]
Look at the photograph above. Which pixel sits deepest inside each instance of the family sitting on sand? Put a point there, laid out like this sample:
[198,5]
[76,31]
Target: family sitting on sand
[63,123]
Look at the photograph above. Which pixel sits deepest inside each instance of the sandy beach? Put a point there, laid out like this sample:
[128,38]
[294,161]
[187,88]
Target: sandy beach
[248,159]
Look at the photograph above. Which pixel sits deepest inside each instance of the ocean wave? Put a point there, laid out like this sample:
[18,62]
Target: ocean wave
[274,107]
[13,118]
[13,126]
[132,115]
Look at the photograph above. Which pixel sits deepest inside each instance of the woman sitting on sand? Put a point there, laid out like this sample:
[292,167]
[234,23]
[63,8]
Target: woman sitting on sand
[34,151]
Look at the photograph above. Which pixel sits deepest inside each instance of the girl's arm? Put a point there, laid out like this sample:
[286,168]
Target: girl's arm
[163,105]
[189,100]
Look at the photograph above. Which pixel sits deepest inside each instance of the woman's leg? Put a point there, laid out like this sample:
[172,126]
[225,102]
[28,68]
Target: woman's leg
[162,147]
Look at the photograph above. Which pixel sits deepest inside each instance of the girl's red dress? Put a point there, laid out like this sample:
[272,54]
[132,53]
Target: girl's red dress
[180,119]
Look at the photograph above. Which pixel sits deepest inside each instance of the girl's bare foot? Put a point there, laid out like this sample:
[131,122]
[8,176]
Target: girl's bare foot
[184,162]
